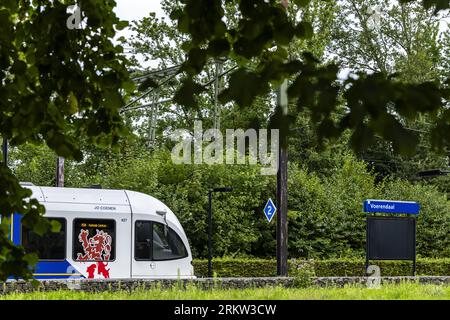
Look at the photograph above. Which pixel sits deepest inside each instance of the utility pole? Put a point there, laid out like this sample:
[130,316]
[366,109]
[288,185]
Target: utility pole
[152,121]
[60,172]
[210,233]
[5,152]
[219,69]
[282,189]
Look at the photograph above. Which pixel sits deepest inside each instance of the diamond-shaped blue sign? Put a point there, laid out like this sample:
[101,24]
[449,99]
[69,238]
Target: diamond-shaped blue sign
[269,210]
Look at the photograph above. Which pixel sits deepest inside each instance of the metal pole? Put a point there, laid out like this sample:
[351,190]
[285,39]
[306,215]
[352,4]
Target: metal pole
[415,234]
[210,233]
[282,224]
[5,152]
[60,172]
[216,95]
[367,244]
[152,121]
[282,189]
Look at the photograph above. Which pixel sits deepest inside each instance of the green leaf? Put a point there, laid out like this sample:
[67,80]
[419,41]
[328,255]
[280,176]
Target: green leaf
[219,48]
[302,3]
[362,137]
[176,14]
[41,226]
[31,259]
[244,87]
[73,103]
[185,96]
[147,83]
[10,4]
[122,25]
[196,61]
[55,226]
[304,30]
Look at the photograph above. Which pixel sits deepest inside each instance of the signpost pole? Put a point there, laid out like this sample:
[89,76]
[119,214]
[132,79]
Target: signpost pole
[5,152]
[415,249]
[367,244]
[210,233]
[282,189]
[60,172]
[282,225]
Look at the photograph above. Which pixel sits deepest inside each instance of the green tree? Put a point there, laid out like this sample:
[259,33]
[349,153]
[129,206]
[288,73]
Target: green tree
[386,36]
[34,163]
[257,42]
[391,37]
[331,31]
[158,40]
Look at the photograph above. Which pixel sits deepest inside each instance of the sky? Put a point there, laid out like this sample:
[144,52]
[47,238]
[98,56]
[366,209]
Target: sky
[137,9]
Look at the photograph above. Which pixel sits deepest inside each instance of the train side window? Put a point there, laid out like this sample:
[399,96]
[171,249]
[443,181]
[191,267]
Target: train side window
[167,245]
[50,246]
[143,240]
[94,240]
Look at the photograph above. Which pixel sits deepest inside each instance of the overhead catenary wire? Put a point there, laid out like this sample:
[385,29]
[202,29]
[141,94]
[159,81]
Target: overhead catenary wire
[145,94]
[166,71]
[170,73]
[128,107]
[147,105]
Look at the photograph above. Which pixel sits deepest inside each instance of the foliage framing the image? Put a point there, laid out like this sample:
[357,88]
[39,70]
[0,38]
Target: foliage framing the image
[57,85]
[60,85]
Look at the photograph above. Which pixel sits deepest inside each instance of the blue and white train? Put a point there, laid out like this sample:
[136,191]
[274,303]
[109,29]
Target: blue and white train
[113,234]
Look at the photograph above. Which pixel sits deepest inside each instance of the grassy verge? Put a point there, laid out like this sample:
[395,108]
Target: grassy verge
[403,291]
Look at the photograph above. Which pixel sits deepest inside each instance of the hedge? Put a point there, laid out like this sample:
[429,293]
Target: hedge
[228,267]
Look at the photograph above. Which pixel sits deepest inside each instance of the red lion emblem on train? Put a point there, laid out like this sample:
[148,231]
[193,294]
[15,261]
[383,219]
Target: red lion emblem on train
[97,248]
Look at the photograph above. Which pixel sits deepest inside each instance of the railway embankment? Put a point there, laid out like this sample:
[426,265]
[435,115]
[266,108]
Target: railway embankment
[113,285]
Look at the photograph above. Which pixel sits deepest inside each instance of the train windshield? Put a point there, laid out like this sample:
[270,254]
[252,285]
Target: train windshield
[156,241]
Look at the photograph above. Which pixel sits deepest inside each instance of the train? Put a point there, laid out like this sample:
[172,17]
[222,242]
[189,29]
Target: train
[105,234]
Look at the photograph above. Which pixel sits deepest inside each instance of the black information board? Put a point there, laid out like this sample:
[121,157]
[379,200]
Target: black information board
[391,238]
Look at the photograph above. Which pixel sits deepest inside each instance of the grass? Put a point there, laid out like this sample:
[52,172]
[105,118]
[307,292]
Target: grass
[404,291]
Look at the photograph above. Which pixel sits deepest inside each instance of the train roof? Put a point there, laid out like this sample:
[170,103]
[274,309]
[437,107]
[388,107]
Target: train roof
[79,195]
[138,202]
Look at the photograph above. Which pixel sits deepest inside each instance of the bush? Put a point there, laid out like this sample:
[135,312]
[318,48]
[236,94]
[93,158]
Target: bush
[326,219]
[325,211]
[303,272]
[228,267]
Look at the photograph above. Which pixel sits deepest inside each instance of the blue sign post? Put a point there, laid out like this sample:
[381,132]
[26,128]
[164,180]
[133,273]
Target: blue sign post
[270,210]
[387,206]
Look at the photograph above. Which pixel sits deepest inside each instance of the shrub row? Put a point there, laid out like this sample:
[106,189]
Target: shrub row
[227,267]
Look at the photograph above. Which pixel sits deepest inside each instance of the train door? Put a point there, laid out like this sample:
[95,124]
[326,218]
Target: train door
[158,250]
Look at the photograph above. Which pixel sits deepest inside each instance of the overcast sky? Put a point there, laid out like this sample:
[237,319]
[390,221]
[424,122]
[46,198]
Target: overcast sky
[137,9]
